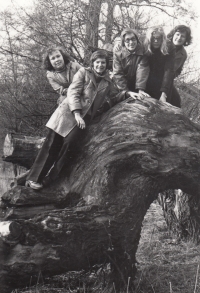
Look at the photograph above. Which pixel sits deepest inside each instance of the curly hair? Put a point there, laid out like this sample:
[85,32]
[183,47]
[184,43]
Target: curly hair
[129,31]
[148,38]
[46,61]
[99,54]
[181,29]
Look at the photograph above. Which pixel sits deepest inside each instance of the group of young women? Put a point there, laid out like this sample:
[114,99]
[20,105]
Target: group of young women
[139,70]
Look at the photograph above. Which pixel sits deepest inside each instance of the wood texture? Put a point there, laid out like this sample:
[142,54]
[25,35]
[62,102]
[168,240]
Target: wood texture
[93,214]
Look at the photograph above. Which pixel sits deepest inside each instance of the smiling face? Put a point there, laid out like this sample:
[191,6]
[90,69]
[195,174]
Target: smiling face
[179,38]
[99,65]
[130,42]
[156,40]
[56,60]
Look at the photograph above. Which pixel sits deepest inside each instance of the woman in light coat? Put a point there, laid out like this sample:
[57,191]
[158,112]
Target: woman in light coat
[60,70]
[91,93]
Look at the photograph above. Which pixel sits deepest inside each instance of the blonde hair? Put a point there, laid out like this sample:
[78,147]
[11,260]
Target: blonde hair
[147,41]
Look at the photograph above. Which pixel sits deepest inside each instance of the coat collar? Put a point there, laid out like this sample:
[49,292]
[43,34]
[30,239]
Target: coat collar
[138,51]
[181,52]
[105,79]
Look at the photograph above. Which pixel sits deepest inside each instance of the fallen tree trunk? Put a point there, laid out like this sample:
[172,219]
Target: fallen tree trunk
[21,150]
[181,210]
[94,212]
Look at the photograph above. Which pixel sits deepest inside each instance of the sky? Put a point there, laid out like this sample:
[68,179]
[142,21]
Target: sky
[5,3]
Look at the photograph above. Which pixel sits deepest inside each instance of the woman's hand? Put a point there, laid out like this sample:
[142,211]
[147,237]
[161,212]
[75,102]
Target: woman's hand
[79,120]
[64,92]
[163,97]
[142,94]
[134,95]
[117,47]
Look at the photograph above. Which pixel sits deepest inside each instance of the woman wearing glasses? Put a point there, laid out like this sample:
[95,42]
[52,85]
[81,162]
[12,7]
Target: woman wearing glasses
[130,65]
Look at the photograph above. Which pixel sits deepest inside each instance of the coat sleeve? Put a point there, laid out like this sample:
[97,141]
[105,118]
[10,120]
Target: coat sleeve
[116,95]
[75,90]
[76,66]
[169,72]
[118,72]
[142,73]
[180,68]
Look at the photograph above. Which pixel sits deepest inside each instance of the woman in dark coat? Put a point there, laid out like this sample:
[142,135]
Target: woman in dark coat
[130,65]
[60,70]
[180,36]
[90,94]
[161,54]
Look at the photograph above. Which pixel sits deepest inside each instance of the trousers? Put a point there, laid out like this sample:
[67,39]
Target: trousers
[54,154]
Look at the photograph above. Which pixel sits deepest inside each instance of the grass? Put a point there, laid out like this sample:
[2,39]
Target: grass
[164,265]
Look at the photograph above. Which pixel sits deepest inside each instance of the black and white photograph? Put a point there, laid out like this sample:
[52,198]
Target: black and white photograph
[100,146]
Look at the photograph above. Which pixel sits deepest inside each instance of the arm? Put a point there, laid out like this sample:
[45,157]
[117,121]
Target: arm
[74,96]
[142,73]
[179,66]
[55,85]
[168,76]
[118,72]
[75,90]
[116,96]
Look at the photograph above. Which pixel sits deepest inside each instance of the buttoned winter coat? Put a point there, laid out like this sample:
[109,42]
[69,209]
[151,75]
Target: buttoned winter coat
[130,70]
[81,94]
[60,80]
[180,58]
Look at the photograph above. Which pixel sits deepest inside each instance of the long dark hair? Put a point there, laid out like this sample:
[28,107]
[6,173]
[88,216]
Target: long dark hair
[46,62]
[181,29]
[99,54]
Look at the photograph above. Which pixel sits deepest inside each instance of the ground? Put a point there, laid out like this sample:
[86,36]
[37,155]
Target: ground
[164,265]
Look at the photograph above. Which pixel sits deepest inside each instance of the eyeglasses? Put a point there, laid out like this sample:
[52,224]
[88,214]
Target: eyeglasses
[130,40]
[156,39]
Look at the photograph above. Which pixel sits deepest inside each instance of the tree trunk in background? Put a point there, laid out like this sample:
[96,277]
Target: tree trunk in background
[109,21]
[92,27]
[181,210]
[93,214]
[21,149]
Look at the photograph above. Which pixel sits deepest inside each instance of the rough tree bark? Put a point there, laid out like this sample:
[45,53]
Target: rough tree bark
[92,27]
[20,149]
[180,209]
[109,21]
[93,214]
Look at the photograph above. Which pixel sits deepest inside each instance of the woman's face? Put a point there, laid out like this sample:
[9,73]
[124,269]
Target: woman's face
[130,42]
[179,38]
[156,40]
[99,65]
[56,60]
